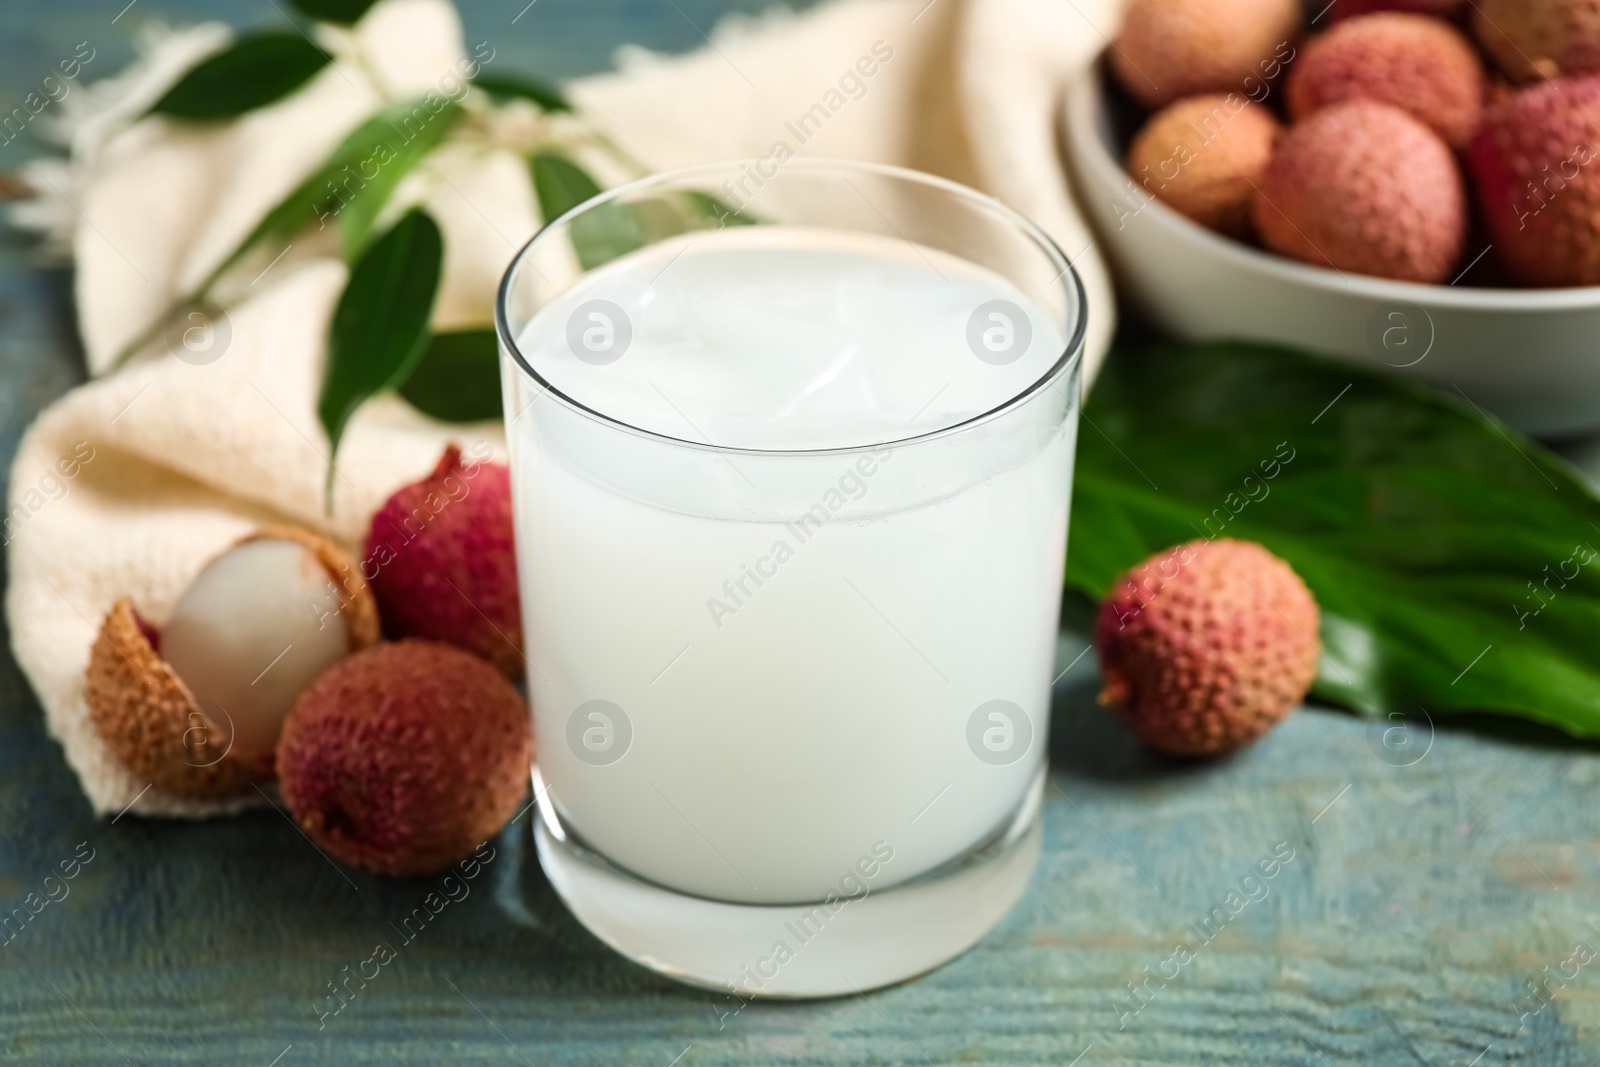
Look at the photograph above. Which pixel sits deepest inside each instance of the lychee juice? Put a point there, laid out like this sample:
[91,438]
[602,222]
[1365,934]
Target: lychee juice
[791,513]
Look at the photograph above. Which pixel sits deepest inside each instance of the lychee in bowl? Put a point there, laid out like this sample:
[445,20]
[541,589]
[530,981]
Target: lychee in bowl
[1530,356]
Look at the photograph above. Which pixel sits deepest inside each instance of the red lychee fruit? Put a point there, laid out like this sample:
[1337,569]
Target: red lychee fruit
[1536,164]
[1349,9]
[404,758]
[1170,49]
[1207,646]
[1533,39]
[445,556]
[1364,187]
[1416,63]
[1204,157]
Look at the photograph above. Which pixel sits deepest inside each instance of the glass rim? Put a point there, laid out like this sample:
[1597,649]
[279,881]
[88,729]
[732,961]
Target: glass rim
[1070,358]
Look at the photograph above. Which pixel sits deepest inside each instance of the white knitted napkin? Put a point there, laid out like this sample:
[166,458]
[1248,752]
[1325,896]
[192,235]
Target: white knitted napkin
[130,483]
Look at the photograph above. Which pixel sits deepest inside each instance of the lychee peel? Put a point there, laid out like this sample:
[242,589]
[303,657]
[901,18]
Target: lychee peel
[1418,64]
[1364,188]
[149,719]
[446,566]
[1536,164]
[1204,157]
[1170,49]
[404,758]
[1206,647]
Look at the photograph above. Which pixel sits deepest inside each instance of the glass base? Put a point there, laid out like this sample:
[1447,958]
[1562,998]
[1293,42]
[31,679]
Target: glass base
[796,950]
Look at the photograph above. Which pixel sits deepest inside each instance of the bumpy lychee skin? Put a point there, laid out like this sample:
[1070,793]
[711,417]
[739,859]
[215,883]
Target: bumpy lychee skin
[445,556]
[1365,188]
[150,720]
[1207,646]
[1416,63]
[1170,49]
[1204,157]
[404,758]
[1349,9]
[1536,164]
[1538,39]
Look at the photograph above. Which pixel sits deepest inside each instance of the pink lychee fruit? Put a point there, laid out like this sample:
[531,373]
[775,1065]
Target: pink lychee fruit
[1416,63]
[445,560]
[1205,647]
[1536,165]
[1204,157]
[1364,188]
[1533,39]
[403,758]
[1170,49]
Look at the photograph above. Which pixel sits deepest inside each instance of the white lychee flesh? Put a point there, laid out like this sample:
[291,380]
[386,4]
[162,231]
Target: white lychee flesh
[250,634]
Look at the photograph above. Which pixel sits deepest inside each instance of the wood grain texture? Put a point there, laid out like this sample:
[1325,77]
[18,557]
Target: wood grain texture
[1419,903]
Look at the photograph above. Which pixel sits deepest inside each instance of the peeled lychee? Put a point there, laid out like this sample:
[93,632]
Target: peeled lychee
[1416,63]
[1347,9]
[1536,163]
[446,561]
[1532,39]
[1207,646]
[196,706]
[1204,156]
[1170,49]
[1363,187]
[404,758]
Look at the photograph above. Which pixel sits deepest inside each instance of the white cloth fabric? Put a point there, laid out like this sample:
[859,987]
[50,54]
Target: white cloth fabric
[183,459]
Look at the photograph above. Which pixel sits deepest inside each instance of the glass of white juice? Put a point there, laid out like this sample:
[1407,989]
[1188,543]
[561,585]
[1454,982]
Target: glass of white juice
[791,451]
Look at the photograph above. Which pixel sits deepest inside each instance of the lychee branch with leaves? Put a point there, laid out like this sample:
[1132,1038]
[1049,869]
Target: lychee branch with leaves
[380,338]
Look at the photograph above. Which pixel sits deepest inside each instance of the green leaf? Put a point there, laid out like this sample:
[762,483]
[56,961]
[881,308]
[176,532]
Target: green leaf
[400,134]
[384,149]
[599,235]
[548,97]
[682,212]
[560,184]
[715,213]
[458,378]
[380,327]
[1451,556]
[343,12]
[254,71]
[615,229]
[365,186]
[385,146]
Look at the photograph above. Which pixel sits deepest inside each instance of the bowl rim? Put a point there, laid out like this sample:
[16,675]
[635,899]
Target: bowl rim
[1083,113]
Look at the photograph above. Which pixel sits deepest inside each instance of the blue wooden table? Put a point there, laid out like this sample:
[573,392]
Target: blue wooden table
[1435,897]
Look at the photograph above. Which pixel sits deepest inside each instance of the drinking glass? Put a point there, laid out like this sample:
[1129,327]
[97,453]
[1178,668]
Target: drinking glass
[791,448]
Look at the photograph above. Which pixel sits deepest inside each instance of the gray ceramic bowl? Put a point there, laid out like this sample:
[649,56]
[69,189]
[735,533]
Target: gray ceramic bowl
[1531,356]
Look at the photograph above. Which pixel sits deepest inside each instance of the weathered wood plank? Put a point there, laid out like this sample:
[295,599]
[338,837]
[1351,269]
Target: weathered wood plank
[1417,903]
